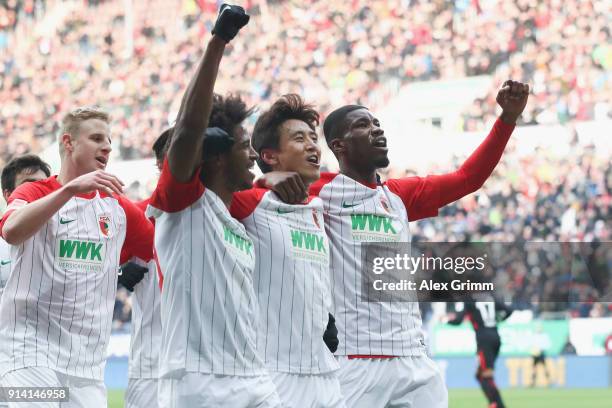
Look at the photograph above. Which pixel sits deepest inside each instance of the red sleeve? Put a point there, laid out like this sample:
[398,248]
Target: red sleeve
[419,195]
[315,188]
[171,195]
[22,195]
[142,205]
[424,196]
[244,202]
[139,234]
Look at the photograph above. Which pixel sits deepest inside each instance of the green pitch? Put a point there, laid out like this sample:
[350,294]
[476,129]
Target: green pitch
[536,398]
[516,398]
[115,398]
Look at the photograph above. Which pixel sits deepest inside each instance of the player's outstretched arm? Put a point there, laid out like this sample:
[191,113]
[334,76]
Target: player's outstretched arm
[185,149]
[504,310]
[424,196]
[25,221]
[512,98]
[455,319]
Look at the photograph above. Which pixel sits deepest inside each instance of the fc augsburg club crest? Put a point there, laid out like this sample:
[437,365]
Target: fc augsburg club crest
[104,223]
[315,218]
[385,205]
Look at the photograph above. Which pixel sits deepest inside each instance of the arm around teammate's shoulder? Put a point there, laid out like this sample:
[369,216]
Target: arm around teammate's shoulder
[31,206]
[288,185]
[28,212]
[245,202]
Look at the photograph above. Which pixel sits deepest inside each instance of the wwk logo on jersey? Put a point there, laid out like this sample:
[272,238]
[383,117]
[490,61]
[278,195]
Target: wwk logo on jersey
[73,254]
[308,246]
[374,228]
[240,247]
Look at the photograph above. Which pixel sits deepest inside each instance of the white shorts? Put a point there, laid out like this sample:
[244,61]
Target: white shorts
[82,392]
[406,382]
[141,393]
[197,390]
[308,391]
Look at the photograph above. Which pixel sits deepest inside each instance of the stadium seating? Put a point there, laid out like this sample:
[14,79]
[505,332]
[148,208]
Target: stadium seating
[137,62]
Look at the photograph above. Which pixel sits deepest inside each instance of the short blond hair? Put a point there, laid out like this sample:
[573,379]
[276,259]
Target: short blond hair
[73,119]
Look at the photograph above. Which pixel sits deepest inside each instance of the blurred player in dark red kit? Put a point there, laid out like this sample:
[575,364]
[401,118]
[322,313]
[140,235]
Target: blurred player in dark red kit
[484,314]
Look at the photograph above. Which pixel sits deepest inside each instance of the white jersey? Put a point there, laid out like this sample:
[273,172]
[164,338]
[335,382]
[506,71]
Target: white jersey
[5,264]
[354,214]
[146,326]
[146,322]
[209,311]
[57,306]
[291,280]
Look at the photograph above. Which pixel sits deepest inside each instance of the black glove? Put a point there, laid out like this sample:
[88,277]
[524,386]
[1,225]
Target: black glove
[330,337]
[131,274]
[229,21]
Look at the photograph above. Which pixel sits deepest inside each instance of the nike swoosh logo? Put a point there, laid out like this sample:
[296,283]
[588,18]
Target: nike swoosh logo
[63,221]
[281,211]
[347,205]
[4,262]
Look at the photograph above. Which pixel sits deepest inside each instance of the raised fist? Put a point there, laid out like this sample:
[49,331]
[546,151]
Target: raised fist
[512,98]
[229,21]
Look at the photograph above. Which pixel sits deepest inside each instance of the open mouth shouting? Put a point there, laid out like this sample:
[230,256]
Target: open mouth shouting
[313,159]
[380,142]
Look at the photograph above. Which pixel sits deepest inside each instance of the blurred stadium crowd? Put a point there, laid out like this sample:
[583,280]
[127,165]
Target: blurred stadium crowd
[77,53]
[540,197]
[136,62]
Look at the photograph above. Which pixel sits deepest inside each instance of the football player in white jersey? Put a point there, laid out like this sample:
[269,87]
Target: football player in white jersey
[209,312]
[143,370]
[382,351]
[292,259]
[68,235]
[18,170]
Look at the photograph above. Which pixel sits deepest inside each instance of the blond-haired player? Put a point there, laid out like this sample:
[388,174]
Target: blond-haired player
[68,234]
